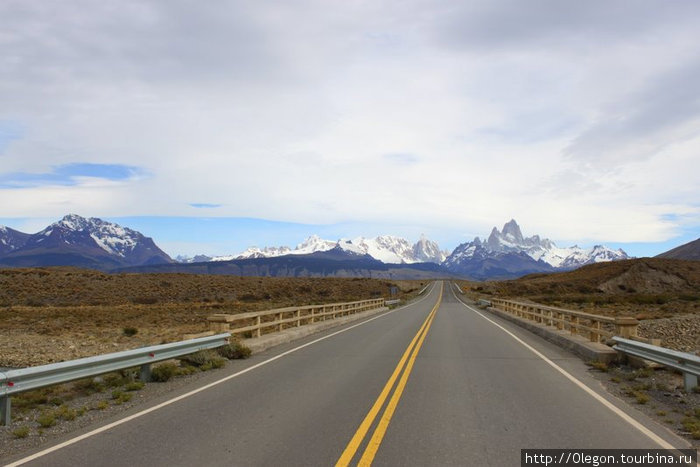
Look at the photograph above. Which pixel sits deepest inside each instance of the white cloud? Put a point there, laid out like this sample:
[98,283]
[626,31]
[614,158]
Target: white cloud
[578,121]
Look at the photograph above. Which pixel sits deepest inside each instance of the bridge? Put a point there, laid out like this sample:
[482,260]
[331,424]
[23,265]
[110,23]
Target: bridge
[436,382]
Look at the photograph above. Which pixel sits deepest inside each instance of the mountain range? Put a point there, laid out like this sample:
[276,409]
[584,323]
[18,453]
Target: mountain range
[385,248]
[335,262]
[507,254]
[97,244]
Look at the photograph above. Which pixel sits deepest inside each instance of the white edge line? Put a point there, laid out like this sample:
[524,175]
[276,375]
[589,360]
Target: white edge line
[650,434]
[195,391]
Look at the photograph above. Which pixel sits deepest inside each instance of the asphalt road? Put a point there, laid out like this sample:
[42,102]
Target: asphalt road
[464,392]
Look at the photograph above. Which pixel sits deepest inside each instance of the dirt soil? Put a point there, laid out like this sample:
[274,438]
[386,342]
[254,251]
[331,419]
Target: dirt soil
[55,314]
[657,392]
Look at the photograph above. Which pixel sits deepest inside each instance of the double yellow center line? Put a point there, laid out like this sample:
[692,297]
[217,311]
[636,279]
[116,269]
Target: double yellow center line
[403,369]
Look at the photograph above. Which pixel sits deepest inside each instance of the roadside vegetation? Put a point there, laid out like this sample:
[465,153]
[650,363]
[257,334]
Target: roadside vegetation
[33,412]
[56,314]
[645,288]
[67,313]
[658,392]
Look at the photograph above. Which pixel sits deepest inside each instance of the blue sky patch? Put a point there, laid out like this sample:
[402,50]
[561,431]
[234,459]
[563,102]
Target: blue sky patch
[68,175]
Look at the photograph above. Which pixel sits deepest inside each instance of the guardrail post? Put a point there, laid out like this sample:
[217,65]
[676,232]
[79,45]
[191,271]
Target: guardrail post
[690,381]
[218,323]
[6,410]
[257,322]
[145,372]
[626,327]
[279,318]
[573,326]
[595,334]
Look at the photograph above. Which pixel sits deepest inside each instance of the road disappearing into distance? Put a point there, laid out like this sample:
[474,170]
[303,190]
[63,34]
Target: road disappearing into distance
[435,382]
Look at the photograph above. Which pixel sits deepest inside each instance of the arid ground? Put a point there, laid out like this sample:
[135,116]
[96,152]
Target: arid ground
[663,294]
[55,314]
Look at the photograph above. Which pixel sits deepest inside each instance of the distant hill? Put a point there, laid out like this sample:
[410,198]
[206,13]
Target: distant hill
[689,251]
[626,277]
[331,263]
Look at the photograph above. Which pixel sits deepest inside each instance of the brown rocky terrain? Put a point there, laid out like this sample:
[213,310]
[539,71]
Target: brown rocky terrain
[55,314]
[664,294]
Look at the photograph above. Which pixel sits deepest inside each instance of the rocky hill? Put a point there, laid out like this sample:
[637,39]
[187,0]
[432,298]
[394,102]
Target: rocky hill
[690,251]
[645,287]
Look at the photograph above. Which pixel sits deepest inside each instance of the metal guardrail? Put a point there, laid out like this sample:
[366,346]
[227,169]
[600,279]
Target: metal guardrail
[26,379]
[282,318]
[424,289]
[458,288]
[688,363]
[392,302]
[484,303]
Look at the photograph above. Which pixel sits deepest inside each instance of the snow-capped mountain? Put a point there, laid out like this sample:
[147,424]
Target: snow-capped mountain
[77,241]
[11,240]
[427,251]
[511,239]
[386,248]
[311,245]
[192,259]
[513,254]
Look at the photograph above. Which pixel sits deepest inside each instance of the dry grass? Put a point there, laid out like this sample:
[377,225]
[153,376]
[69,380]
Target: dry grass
[646,288]
[71,287]
[53,314]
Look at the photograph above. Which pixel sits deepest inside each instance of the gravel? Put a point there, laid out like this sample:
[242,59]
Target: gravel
[668,402]
[678,333]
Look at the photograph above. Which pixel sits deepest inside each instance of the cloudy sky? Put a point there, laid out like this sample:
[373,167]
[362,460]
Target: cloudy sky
[216,126]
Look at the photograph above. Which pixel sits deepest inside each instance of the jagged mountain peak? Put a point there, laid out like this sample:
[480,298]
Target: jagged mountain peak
[509,250]
[512,239]
[77,222]
[511,231]
[310,240]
